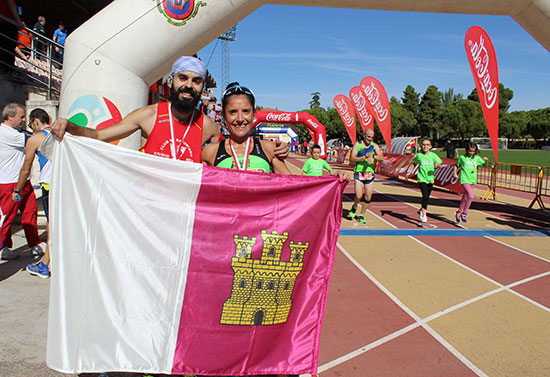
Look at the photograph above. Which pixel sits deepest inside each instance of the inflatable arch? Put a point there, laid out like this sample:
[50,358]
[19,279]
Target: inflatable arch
[316,129]
[112,59]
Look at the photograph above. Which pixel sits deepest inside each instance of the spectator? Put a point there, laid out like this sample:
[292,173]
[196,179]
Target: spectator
[40,29]
[450,149]
[12,156]
[8,8]
[59,35]
[23,49]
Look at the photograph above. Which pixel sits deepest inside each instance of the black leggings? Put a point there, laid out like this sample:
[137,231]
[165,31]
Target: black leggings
[426,189]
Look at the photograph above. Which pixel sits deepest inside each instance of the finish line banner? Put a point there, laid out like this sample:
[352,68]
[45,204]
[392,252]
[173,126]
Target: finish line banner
[399,166]
[163,266]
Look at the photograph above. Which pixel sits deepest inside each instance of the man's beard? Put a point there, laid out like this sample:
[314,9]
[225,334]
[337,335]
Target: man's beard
[184,105]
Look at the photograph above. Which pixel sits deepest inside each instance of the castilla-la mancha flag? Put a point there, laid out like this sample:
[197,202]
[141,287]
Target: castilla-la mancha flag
[483,63]
[347,114]
[163,266]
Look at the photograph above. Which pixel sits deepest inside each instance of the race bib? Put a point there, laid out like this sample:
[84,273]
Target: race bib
[365,176]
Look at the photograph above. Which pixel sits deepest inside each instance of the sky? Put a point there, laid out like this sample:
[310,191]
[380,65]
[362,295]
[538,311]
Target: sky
[285,53]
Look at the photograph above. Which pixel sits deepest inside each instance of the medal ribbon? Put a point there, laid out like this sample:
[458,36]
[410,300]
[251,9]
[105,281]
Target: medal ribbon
[173,145]
[246,154]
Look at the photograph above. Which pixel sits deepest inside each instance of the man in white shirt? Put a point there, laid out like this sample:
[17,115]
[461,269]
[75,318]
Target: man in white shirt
[12,157]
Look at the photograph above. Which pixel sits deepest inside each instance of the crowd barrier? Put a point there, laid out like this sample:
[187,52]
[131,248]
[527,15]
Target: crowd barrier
[522,178]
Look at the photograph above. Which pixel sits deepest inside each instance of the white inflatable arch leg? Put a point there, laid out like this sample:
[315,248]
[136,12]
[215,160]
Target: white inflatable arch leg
[112,59]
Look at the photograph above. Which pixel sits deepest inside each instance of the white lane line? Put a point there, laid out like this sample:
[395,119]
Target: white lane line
[518,249]
[418,322]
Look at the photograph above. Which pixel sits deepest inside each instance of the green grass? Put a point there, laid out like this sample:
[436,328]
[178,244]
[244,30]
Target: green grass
[514,156]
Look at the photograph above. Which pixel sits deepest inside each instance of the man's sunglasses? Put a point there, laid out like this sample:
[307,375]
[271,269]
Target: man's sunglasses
[237,89]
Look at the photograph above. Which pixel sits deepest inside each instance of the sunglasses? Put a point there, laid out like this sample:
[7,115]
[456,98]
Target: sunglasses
[237,89]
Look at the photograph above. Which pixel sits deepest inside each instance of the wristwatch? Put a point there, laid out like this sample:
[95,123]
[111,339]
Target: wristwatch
[17,191]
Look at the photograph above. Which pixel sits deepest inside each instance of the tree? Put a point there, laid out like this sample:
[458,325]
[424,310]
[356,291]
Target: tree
[315,100]
[403,122]
[411,100]
[463,119]
[429,112]
[505,95]
[539,123]
[513,125]
[449,97]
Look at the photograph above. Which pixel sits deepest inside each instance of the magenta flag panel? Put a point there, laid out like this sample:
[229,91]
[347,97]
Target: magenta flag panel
[261,257]
[483,63]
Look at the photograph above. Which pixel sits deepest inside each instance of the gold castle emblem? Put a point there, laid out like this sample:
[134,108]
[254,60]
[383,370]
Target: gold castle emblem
[262,288]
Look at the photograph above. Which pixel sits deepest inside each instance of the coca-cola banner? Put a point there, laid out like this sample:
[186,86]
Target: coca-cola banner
[483,62]
[316,129]
[401,166]
[379,106]
[360,103]
[345,109]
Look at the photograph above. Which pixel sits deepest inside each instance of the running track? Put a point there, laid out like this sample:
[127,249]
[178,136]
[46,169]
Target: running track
[439,299]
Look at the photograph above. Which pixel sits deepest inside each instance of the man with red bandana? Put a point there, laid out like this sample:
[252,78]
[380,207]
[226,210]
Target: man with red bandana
[176,129]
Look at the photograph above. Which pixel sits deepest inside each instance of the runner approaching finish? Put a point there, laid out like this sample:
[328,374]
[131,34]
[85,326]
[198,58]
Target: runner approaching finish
[468,164]
[39,119]
[314,166]
[241,151]
[176,129]
[427,161]
[364,154]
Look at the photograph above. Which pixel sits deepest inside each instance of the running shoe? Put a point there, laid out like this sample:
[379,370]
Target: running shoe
[457,217]
[464,219]
[39,269]
[423,218]
[351,213]
[8,254]
[361,219]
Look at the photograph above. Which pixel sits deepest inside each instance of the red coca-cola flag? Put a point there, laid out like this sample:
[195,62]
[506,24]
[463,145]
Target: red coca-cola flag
[380,106]
[359,101]
[483,62]
[345,109]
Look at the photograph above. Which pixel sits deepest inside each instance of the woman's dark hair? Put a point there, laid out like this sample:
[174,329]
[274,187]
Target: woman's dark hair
[472,145]
[39,114]
[236,88]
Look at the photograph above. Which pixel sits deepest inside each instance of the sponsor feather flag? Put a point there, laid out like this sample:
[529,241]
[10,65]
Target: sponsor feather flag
[164,266]
[483,63]
[347,114]
[379,106]
[360,103]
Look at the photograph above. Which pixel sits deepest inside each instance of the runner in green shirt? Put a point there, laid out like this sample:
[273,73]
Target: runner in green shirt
[364,153]
[468,164]
[427,161]
[314,166]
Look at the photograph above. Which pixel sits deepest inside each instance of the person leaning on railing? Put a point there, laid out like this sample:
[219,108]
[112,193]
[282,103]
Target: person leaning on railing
[9,31]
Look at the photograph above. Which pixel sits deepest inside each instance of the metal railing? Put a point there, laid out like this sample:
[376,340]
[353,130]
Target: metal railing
[522,178]
[40,66]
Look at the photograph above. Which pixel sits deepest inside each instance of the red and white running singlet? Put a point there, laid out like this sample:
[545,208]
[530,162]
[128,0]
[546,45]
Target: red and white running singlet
[188,143]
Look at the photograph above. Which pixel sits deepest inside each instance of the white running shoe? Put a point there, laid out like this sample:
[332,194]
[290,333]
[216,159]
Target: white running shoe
[423,218]
[8,254]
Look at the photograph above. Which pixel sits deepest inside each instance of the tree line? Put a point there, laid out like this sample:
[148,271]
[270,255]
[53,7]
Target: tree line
[441,115]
